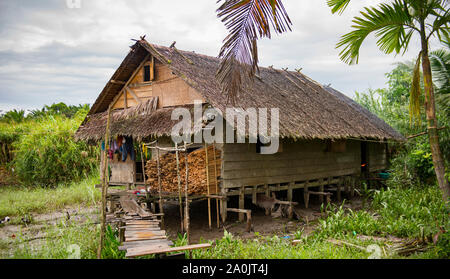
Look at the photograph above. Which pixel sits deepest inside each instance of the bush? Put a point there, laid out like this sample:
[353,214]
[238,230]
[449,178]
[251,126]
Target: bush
[48,155]
[402,212]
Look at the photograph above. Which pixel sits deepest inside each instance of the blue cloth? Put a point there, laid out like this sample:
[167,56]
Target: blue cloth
[127,148]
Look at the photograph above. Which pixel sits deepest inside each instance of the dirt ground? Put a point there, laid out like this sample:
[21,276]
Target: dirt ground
[264,225]
[35,232]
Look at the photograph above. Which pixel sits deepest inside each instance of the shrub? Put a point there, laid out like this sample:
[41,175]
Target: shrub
[48,155]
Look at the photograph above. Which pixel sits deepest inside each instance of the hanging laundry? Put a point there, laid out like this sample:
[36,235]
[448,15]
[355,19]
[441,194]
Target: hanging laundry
[110,154]
[119,141]
[127,148]
[115,146]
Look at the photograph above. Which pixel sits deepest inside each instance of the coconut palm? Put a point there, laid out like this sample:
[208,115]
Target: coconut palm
[246,21]
[394,23]
[440,67]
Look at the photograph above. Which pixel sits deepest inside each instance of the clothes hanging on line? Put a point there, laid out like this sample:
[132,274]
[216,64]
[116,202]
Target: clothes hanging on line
[127,148]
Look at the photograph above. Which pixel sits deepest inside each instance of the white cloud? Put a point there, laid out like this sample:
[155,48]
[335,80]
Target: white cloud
[50,53]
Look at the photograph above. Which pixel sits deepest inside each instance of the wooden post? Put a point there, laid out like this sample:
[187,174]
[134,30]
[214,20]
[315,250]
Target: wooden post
[339,189]
[186,196]
[161,210]
[352,189]
[249,220]
[207,185]
[306,194]
[289,191]
[179,187]
[321,189]
[346,186]
[121,231]
[224,206]
[104,187]
[217,184]
[143,171]
[254,193]
[267,190]
[241,203]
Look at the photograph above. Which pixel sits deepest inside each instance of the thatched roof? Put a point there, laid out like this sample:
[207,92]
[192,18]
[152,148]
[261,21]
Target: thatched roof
[307,109]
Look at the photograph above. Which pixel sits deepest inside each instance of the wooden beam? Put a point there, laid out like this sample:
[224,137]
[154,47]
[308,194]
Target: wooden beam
[130,79]
[248,214]
[125,100]
[142,251]
[117,81]
[133,95]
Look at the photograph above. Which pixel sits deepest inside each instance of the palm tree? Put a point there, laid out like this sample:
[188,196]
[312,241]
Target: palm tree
[246,21]
[14,115]
[440,67]
[394,24]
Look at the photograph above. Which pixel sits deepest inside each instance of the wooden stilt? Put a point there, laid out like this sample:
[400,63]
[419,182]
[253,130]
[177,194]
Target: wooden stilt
[104,187]
[254,193]
[241,203]
[352,189]
[224,207]
[306,194]
[179,187]
[207,185]
[217,184]
[186,214]
[266,186]
[346,186]
[339,185]
[290,191]
[321,189]
[161,210]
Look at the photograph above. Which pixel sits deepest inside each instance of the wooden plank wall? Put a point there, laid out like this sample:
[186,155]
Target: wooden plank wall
[298,161]
[122,172]
[377,156]
[171,90]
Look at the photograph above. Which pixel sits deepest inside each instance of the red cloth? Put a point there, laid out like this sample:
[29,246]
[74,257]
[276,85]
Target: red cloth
[119,141]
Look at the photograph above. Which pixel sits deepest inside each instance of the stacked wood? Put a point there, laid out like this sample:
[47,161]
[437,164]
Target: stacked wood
[197,171]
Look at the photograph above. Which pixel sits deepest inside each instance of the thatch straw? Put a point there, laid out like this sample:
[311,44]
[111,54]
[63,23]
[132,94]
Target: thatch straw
[307,109]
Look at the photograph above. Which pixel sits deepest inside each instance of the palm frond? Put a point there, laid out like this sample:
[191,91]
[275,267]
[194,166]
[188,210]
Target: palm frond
[440,65]
[391,23]
[338,5]
[246,21]
[414,95]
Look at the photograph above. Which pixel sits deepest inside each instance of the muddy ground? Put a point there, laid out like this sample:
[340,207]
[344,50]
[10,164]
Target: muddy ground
[35,232]
[264,225]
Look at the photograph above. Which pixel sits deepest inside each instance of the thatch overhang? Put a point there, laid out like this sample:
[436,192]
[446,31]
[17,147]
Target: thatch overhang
[307,109]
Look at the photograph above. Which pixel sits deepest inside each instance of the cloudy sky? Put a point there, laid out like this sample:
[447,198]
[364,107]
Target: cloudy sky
[50,52]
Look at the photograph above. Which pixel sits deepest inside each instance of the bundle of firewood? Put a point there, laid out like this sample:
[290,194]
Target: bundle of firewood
[168,167]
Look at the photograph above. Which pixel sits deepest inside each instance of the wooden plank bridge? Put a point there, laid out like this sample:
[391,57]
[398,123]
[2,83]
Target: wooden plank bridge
[140,230]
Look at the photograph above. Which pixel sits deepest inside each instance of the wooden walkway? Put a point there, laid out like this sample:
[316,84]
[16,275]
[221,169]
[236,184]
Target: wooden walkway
[141,233]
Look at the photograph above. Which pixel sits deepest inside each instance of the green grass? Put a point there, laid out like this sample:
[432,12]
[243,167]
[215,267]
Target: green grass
[402,212]
[408,212]
[65,240]
[274,247]
[57,243]
[21,200]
